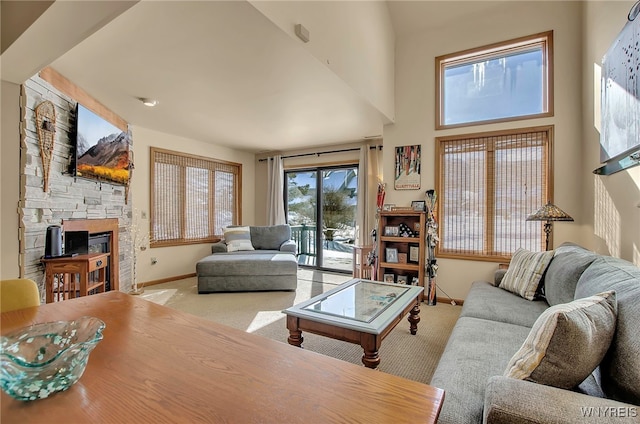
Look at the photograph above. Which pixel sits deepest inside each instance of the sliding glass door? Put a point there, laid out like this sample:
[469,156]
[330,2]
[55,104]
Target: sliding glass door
[321,209]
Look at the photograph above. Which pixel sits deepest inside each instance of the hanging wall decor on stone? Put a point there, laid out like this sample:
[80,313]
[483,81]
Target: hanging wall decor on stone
[46,125]
[131,168]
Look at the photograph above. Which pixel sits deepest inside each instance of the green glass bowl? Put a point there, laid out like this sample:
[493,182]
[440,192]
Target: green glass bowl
[43,359]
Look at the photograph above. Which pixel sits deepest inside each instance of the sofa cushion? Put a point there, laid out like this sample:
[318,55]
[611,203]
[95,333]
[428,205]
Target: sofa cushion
[591,385]
[511,401]
[525,272]
[247,263]
[270,236]
[620,369]
[493,303]
[237,238]
[568,263]
[477,349]
[219,247]
[567,342]
[237,283]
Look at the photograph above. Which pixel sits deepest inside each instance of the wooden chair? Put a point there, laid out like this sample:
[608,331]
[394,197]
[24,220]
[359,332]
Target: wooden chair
[18,294]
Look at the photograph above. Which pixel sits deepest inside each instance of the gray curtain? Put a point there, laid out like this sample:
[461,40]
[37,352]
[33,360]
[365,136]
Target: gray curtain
[369,174]
[275,190]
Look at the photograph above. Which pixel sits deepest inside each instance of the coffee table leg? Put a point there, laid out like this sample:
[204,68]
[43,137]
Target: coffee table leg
[295,335]
[295,338]
[371,345]
[414,319]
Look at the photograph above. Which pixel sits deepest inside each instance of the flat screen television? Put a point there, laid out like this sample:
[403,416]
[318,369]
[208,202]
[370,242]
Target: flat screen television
[101,149]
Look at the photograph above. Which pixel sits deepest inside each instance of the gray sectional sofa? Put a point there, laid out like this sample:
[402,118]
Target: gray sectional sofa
[493,325]
[271,266]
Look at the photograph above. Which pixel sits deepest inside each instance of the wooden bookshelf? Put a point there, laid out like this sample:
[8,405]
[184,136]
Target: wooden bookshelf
[412,245]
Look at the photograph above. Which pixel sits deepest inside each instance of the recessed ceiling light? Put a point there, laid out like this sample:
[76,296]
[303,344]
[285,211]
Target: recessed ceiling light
[149,102]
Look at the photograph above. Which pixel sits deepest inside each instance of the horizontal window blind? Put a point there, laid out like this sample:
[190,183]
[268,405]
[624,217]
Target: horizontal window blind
[488,184]
[193,197]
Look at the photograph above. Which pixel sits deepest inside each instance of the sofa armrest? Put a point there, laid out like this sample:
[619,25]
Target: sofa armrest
[289,246]
[513,401]
[219,247]
[498,276]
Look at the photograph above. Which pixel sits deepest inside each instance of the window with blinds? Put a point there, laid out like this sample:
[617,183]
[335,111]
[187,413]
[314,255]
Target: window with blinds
[192,197]
[488,183]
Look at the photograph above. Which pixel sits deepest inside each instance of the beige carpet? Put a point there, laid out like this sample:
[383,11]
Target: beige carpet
[412,357]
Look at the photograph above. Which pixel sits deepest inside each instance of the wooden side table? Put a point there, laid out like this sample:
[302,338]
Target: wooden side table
[81,275]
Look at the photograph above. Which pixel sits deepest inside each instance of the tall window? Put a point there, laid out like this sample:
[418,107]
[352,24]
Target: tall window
[192,197]
[487,185]
[506,81]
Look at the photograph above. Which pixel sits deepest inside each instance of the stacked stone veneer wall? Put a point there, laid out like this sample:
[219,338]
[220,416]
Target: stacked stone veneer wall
[68,197]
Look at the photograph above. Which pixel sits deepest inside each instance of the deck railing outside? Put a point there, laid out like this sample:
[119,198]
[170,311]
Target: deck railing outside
[305,237]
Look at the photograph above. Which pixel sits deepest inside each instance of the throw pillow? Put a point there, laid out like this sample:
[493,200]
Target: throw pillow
[237,238]
[525,272]
[567,342]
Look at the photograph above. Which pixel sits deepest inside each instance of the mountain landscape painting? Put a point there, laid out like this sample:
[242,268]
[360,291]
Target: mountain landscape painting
[102,149]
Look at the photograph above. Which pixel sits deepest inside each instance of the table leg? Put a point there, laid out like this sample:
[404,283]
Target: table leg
[84,279]
[295,338]
[73,285]
[49,279]
[295,335]
[371,345]
[414,318]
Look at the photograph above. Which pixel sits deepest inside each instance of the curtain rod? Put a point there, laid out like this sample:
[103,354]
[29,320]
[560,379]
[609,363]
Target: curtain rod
[322,153]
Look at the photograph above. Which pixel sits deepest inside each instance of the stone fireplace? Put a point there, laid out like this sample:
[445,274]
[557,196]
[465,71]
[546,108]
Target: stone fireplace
[74,203]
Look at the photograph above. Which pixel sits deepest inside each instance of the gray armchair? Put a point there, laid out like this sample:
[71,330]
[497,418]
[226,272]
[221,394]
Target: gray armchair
[271,266]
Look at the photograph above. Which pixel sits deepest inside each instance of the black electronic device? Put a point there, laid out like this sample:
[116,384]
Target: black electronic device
[76,242]
[53,242]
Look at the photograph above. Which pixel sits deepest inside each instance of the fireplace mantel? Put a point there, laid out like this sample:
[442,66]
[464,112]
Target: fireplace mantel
[94,226]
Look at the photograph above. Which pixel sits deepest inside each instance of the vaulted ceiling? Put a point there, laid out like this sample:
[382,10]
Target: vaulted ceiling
[221,71]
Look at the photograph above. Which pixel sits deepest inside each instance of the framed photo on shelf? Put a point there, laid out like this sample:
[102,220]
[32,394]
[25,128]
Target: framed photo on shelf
[402,258]
[391,231]
[389,278]
[402,279]
[387,207]
[392,255]
[414,253]
[418,205]
[416,227]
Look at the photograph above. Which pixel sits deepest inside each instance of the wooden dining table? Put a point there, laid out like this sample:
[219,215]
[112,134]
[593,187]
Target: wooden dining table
[159,365]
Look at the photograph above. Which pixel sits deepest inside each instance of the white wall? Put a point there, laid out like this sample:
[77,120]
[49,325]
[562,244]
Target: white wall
[10,186]
[415,111]
[611,203]
[355,39]
[180,260]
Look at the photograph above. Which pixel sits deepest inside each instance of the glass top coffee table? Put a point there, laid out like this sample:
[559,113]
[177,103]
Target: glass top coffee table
[359,311]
